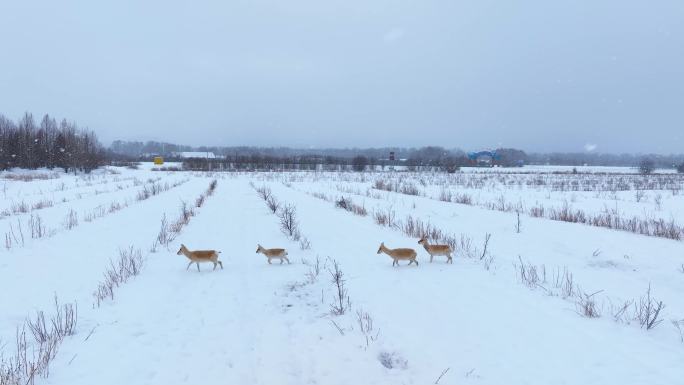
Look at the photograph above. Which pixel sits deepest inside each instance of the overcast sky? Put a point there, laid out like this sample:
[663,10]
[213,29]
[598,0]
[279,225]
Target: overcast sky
[541,75]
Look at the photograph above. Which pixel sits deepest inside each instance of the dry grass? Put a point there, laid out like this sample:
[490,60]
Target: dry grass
[31,359]
[385,218]
[341,302]
[71,220]
[169,231]
[154,187]
[287,216]
[586,305]
[646,225]
[348,205]
[647,311]
[128,265]
[30,177]
[37,227]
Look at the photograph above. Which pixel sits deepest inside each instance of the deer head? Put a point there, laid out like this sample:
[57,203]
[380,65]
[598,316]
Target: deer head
[182,249]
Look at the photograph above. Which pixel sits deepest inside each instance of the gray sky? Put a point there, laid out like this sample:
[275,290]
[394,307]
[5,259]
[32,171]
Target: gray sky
[542,75]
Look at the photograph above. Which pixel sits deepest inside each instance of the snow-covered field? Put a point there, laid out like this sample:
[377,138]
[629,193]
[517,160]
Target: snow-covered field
[534,296]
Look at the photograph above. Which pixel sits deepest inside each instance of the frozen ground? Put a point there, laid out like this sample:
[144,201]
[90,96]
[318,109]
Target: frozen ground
[255,323]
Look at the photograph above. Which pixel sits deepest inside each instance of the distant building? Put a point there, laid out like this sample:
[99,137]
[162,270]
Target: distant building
[195,155]
[483,158]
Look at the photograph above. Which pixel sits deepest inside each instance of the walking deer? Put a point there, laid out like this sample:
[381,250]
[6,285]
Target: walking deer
[198,256]
[436,250]
[399,254]
[273,254]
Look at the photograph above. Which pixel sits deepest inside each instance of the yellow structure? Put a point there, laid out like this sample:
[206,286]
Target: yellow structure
[158,160]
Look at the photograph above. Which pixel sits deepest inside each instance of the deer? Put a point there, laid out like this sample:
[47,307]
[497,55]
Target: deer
[436,250]
[273,254]
[399,254]
[198,256]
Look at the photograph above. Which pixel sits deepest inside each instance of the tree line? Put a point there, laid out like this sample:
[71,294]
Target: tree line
[430,156]
[424,159]
[245,157]
[28,144]
[600,159]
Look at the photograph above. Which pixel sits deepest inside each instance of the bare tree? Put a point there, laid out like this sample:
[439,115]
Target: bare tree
[359,163]
[288,220]
[28,145]
[646,166]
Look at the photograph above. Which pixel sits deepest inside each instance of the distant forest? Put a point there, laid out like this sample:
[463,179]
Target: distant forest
[30,144]
[432,155]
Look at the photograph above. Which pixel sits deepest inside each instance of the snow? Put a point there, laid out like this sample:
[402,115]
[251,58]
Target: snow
[255,323]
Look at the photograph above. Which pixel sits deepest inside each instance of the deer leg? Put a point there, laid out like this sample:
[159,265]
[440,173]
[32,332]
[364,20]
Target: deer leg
[449,260]
[220,263]
[197,266]
[415,260]
[269,261]
[281,261]
[431,256]
[288,261]
[188,265]
[215,265]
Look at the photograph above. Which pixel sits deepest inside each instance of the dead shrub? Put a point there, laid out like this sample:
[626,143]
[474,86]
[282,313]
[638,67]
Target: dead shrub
[304,243]
[387,218]
[128,265]
[348,205]
[212,187]
[679,325]
[164,237]
[314,270]
[647,311]
[463,198]
[392,360]
[272,204]
[33,359]
[564,281]
[264,192]
[445,195]
[365,322]
[529,274]
[71,220]
[200,200]
[37,227]
[288,221]
[409,189]
[341,303]
[586,305]
[20,208]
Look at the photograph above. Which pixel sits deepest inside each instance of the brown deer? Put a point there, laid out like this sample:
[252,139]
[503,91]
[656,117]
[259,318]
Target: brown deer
[438,250]
[399,254]
[273,254]
[198,256]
